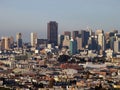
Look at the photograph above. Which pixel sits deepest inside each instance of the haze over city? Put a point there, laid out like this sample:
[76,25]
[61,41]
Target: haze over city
[28,16]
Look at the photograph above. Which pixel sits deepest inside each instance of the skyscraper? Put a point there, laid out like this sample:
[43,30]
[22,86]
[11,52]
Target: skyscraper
[19,40]
[79,42]
[75,34]
[85,36]
[92,43]
[33,39]
[5,43]
[66,41]
[116,46]
[67,33]
[73,47]
[52,32]
[101,43]
[60,40]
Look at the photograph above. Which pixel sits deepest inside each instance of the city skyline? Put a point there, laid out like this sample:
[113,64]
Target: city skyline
[33,16]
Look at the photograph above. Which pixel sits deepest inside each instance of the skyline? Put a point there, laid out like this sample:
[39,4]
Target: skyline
[32,16]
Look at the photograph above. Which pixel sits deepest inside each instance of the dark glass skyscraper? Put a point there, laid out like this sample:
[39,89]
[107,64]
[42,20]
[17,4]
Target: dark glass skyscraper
[85,36]
[75,34]
[52,32]
[19,40]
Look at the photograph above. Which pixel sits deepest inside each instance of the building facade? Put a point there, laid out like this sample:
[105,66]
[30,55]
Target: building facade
[75,34]
[19,40]
[52,32]
[73,47]
[33,39]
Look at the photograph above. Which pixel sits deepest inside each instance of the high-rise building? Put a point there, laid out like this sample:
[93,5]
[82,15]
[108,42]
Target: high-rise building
[19,40]
[73,47]
[60,40]
[5,43]
[2,43]
[33,39]
[79,42]
[52,32]
[66,41]
[101,43]
[92,43]
[99,31]
[75,34]
[85,36]
[67,33]
[112,39]
[116,46]
[11,41]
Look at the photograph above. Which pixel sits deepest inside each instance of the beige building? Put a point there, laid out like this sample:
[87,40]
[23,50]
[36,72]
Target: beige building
[101,42]
[5,43]
[33,39]
[66,41]
[79,43]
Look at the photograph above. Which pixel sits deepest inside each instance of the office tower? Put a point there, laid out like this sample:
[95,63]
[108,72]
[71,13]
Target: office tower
[73,47]
[66,41]
[67,33]
[91,33]
[60,40]
[79,42]
[33,39]
[19,40]
[117,36]
[52,32]
[75,34]
[85,36]
[99,32]
[117,46]
[11,39]
[5,43]
[92,43]
[101,43]
[112,39]
[107,39]
[2,43]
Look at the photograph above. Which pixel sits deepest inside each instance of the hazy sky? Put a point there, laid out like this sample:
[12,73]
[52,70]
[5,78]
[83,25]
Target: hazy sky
[28,16]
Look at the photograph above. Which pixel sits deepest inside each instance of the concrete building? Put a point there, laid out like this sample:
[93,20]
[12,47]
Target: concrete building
[99,31]
[101,43]
[75,34]
[60,40]
[67,33]
[79,42]
[5,43]
[117,46]
[33,39]
[66,41]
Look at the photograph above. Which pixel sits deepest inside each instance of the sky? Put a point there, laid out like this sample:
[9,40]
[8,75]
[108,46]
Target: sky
[28,16]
